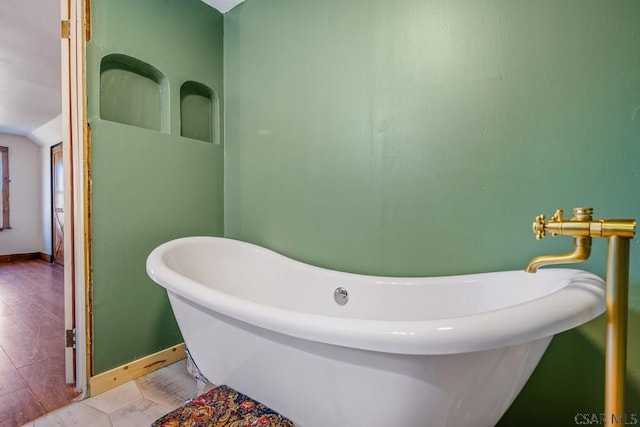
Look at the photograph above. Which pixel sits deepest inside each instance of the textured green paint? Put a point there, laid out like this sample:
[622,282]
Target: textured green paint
[148,186]
[197,109]
[131,92]
[422,137]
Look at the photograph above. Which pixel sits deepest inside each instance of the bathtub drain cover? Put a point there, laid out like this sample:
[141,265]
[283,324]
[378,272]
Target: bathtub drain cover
[341,296]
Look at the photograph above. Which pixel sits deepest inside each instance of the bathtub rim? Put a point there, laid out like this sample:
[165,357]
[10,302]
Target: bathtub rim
[580,300]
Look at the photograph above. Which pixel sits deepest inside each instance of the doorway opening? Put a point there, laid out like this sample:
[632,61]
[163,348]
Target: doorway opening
[57,205]
[32,310]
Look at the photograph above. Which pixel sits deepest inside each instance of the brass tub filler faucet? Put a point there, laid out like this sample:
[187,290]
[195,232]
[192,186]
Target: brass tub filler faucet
[582,227]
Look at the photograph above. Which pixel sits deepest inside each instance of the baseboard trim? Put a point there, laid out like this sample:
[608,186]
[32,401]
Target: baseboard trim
[125,373]
[20,257]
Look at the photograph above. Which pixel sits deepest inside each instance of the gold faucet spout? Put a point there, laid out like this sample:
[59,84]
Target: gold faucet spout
[581,251]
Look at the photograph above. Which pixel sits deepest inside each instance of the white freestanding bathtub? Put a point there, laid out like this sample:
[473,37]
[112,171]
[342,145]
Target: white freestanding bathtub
[401,352]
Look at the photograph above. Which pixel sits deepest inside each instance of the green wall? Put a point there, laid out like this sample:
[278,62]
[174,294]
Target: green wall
[422,137]
[382,137]
[149,184]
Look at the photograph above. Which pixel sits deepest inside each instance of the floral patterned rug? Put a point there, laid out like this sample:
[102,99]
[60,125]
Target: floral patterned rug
[223,407]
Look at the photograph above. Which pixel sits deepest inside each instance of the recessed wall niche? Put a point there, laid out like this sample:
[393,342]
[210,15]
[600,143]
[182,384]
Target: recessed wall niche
[133,92]
[199,112]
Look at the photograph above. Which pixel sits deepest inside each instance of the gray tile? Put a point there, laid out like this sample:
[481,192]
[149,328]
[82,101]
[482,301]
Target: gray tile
[76,414]
[140,413]
[169,386]
[136,403]
[116,398]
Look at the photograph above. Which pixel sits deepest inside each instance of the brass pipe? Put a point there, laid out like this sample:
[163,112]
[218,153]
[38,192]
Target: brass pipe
[616,341]
[581,251]
[582,227]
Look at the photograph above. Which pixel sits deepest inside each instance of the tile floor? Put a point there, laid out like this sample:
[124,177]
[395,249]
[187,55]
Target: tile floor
[136,403]
[31,341]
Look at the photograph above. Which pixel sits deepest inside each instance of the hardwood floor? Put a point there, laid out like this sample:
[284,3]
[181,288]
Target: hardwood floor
[31,341]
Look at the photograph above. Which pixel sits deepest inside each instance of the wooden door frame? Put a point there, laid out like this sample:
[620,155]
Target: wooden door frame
[77,268]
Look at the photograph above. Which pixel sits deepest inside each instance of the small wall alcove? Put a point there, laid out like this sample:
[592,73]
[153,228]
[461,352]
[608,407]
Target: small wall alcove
[133,92]
[199,112]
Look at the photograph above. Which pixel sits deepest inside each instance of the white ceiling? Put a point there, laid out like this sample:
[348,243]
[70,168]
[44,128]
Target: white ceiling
[223,5]
[30,94]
